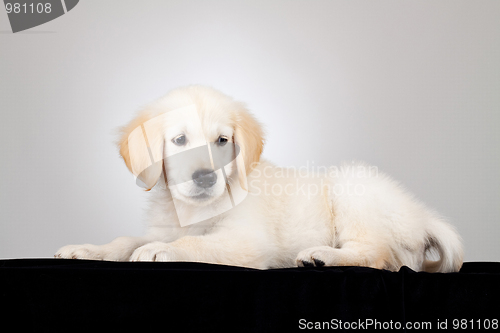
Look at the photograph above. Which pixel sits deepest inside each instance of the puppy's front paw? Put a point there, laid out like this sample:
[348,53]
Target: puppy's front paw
[85,251]
[156,251]
[316,257]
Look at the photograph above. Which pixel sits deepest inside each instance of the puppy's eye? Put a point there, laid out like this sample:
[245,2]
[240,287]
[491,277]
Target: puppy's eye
[179,140]
[221,141]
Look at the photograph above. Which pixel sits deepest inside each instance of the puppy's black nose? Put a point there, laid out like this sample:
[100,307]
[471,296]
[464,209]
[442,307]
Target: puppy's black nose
[204,178]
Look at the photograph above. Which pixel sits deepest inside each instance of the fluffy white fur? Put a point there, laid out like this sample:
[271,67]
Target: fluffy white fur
[345,218]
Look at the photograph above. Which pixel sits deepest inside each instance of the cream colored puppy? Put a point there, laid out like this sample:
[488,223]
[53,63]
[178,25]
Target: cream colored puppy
[219,203]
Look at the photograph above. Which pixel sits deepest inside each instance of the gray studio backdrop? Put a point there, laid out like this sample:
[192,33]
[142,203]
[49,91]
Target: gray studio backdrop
[412,87]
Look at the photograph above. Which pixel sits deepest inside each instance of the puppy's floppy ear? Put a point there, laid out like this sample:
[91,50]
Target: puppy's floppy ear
[141,146]
[248,135]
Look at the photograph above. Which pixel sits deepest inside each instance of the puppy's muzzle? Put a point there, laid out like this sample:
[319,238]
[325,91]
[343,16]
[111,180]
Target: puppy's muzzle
[204,178]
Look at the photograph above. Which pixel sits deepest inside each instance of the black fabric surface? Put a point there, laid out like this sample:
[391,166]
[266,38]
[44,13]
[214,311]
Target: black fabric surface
[59,295]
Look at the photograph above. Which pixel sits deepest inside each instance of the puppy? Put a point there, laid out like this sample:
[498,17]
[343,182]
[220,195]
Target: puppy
[212,199]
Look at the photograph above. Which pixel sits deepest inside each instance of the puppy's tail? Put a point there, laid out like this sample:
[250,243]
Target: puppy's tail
[446,240]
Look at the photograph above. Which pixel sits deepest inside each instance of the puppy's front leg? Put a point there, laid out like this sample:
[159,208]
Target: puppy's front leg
[119,249]
[228,249]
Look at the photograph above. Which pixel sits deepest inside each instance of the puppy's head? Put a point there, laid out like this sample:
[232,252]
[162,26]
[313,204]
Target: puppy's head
[200,138]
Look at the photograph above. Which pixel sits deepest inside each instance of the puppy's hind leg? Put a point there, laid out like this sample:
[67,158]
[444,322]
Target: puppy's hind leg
[350,254]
